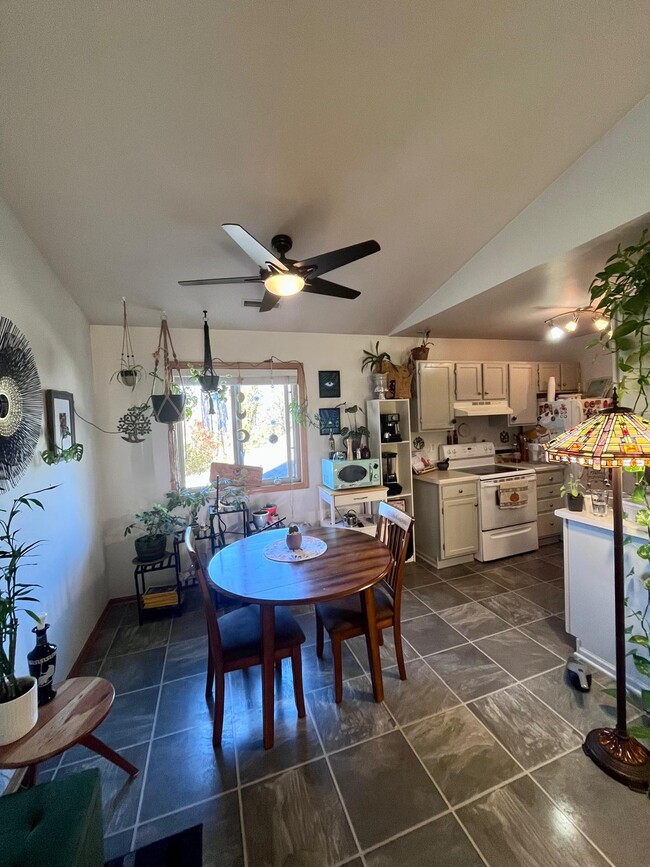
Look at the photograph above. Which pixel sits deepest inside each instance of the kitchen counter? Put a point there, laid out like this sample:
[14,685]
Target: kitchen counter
[445,477]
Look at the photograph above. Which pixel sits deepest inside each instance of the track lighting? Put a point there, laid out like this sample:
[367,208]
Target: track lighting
[600,323]
[559,325]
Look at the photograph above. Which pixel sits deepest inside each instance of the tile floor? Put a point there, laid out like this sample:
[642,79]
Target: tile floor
[475,759]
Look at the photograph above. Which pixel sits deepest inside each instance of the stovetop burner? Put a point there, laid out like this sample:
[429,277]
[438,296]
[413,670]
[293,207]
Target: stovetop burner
[493,470]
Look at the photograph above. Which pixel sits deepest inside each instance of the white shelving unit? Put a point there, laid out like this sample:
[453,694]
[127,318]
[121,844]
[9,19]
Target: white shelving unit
[375,409]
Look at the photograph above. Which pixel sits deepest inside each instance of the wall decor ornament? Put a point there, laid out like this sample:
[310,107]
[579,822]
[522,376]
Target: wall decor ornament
[329,383]
[329,421]
[21,405]
[135,423]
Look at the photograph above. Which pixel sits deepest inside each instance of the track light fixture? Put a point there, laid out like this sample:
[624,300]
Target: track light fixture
[568,322]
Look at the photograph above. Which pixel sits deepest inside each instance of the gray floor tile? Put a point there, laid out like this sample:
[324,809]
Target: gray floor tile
[101,643]
[542,570]
[418,574]
[245,687]
[447,573]
[551,633]
[430,634]
[584,710]
[440,596]
[386,651]
[474,621]
[113,615]
[131,639]
[191,624]
[411,606]
[610,814]
[295,742]
[186,658]
[385,788]
[527,729]
[356,718]
[468,672]
[134,671]
[318,673]
[514,608]
[422,694]
[183,705]
[555,559]
[518,654]
[517,824]
[307,623]
[547,595]
[120,793]
[510,577]
[476,586]
[118,844]
[443,840]
[89,669]
[184,768]
[222,841]
[296,818]
[460,754]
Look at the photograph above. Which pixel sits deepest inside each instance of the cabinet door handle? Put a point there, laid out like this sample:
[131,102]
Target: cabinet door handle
[460,490]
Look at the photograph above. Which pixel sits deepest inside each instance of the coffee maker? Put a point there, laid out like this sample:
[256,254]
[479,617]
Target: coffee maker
[389,427]
[390,473]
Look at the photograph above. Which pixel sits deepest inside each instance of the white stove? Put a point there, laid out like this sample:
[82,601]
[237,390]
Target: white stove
[507,500]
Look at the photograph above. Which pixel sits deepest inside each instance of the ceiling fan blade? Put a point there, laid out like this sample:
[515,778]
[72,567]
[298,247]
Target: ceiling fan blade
[317,286]
[217,280]
[318,265]
[269,301]
[259,254]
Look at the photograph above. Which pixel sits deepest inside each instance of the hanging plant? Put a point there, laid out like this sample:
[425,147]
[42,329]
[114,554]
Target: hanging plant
[167,407]
[208,378]
[129,373]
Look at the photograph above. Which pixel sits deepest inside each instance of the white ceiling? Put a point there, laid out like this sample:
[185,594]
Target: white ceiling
[131,129]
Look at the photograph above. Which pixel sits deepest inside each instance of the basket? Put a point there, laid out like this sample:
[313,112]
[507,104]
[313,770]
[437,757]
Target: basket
[399,381]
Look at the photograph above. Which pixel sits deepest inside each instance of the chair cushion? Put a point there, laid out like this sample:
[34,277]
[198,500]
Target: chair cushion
[241,632]
[343,614]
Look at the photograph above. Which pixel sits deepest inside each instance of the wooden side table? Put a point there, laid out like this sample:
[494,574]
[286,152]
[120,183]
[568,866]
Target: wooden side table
[80,705]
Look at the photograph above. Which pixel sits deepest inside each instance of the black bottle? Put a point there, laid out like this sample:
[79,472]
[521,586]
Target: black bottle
[42,662]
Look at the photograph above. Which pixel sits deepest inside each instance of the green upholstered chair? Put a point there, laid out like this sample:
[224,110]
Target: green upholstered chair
[57,824]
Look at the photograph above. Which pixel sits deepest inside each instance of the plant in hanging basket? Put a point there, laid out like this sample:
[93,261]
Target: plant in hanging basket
[129,376]
[129,373]
[421,352]
[167,407]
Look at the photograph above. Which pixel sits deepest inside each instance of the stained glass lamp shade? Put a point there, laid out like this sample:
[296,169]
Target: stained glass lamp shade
[615,438]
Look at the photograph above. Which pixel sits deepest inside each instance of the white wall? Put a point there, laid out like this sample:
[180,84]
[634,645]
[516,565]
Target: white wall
[69,565]
[135,476]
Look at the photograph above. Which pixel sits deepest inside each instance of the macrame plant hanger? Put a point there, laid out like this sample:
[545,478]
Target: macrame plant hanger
[168,408]
[209,378]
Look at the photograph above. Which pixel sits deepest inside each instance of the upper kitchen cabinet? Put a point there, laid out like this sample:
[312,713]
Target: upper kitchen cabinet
[567,375]
[433,406]
[522,376]
[481,380]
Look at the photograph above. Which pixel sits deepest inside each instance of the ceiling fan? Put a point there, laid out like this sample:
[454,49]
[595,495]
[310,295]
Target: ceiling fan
[282,276]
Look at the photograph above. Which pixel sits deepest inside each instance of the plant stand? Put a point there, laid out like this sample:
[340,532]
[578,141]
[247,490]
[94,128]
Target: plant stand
[172,602]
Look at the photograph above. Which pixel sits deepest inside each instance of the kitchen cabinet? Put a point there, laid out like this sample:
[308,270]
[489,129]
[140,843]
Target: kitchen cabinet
[477,380]
[522,380]
[549,479]
[567,375]
[433,406]
[446,512]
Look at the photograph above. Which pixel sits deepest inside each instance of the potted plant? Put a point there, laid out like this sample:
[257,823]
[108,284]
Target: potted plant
[353,432]
[377,362]
[158,523]
[421,352]
[574,491]
[190,500]
[129,373]
[18,695]
[167,407]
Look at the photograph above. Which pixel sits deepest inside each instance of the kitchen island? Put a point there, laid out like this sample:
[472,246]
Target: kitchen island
[589,586]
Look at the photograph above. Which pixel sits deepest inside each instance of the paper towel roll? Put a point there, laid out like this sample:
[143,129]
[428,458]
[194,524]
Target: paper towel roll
[550,394]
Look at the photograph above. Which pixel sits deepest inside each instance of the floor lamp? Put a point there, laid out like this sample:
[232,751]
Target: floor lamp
[614,438]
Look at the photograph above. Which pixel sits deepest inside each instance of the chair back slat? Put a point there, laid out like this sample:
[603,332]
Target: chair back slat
[214,636]
[394,529]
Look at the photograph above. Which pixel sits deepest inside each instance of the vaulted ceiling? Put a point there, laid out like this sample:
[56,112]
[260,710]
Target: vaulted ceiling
[131,129]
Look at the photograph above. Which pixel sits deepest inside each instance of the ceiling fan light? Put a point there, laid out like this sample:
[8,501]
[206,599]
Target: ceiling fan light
[600,323]
[284,284]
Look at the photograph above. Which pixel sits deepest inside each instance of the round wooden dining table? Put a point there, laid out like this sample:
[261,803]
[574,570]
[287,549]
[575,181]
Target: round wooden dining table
[352,563]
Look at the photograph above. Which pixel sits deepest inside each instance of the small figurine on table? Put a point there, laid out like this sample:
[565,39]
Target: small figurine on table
[294,538]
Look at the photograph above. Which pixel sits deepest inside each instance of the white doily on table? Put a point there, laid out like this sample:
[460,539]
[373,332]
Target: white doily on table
[311,547]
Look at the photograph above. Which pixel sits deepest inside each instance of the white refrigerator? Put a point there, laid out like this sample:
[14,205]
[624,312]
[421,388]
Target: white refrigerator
[559,415]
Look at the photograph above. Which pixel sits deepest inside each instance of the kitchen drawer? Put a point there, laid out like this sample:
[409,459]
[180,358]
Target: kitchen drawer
[550,504]
[548,524]
[550,477]
[462,489]
[360,495]
[546,491]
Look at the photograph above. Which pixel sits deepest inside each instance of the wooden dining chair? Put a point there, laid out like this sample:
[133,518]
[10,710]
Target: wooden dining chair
[235,642]
[343,618]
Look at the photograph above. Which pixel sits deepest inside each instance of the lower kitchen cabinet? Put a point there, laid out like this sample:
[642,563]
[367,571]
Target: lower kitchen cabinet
[446,514]
[549,479]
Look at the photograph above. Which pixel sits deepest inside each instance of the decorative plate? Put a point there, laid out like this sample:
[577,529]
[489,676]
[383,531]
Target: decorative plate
[311,547]
[418,444]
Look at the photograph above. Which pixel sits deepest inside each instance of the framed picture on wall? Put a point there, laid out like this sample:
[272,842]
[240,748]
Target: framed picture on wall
[59,414]
[330,421]
[329,383]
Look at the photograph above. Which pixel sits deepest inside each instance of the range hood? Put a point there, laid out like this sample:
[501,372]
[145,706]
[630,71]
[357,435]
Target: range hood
[482,407]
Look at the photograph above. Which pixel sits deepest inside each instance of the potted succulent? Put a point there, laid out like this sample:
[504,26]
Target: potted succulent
[294,537]
[574,492]
[18,695]
[190,500]
[378,362]
[158,523]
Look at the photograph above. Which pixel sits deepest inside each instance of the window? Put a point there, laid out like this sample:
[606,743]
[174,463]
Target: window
[251,424]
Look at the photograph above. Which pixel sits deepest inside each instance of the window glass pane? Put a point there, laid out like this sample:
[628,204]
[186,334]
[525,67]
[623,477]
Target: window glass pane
[206,437]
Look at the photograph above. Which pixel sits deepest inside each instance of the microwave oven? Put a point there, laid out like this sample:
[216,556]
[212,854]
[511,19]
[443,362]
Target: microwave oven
[350,474]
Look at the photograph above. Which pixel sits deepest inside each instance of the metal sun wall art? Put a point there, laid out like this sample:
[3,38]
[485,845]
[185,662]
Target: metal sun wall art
[21,404]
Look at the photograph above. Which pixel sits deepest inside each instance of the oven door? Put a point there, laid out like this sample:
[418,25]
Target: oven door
[493,514]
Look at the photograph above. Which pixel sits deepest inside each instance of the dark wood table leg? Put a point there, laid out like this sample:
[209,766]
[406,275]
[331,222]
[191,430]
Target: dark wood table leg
[372,643]
[104,750]
[268,686]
